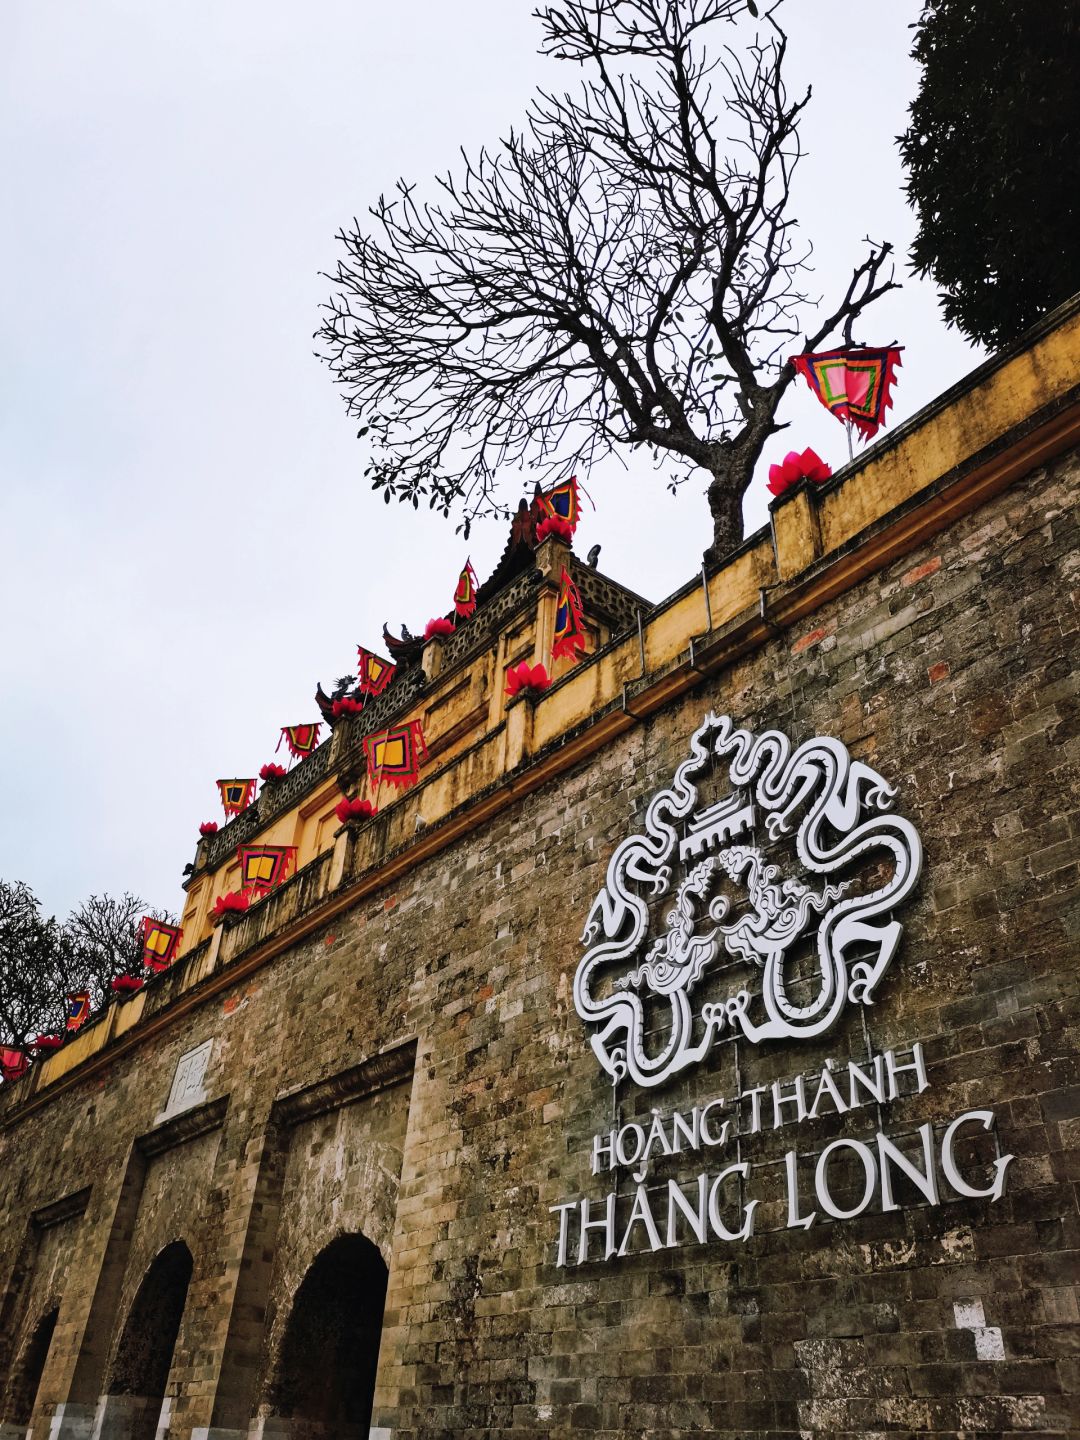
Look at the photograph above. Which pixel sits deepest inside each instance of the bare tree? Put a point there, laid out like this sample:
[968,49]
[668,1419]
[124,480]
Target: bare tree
[33,974]
[102,940]
[621,272]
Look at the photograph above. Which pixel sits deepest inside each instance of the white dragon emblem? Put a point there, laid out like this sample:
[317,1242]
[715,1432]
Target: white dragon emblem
[842,803]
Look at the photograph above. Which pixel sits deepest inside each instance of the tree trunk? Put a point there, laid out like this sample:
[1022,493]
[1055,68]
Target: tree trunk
[725,496]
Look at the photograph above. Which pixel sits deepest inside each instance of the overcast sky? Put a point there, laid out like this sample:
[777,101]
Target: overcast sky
[188,543]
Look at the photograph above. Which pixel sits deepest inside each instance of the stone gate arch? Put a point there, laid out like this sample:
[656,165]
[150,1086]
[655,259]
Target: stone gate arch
[322,1383]
[26,1374]
[141,1362]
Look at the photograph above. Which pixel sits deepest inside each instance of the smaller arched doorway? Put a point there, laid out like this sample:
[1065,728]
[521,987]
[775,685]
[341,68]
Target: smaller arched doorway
[26,1379]
[324,1381]
[144,1354]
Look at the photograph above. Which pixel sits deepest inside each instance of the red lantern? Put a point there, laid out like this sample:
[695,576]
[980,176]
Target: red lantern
[554,525]
[356,809]
[531,678]
[795,467]
[125,985]
[231,903]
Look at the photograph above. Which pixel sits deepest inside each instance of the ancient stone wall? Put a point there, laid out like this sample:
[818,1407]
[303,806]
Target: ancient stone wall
[950,671]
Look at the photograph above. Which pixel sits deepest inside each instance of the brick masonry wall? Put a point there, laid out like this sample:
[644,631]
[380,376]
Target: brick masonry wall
[952,673]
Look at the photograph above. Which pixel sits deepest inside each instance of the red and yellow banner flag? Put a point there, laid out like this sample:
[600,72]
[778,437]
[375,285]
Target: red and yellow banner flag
[465,594]
[564,501]
[394,755]
[569,615]
[264,867]
[375,672]
[13,1063]
[853,383]
[236,795]
[78,1010]
[160,943]
[300,739]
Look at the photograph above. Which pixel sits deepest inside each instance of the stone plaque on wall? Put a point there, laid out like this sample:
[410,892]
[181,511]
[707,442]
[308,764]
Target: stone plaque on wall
[187,1087]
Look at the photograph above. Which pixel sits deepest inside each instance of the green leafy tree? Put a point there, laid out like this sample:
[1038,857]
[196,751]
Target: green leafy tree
[993,161]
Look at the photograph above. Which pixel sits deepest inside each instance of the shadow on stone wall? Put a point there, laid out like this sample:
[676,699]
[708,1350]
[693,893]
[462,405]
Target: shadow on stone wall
[140,1370]
[28,1372]
[324,1381]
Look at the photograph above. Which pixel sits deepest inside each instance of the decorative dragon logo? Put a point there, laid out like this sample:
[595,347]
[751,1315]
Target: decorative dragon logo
[835,809]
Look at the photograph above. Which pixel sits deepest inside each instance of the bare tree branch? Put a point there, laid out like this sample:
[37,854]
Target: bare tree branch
[623,271]
[42,962]
[102,939]
[33,976]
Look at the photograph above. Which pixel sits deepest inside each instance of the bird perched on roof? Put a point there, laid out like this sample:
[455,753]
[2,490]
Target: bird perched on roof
[593,557]
[407,648]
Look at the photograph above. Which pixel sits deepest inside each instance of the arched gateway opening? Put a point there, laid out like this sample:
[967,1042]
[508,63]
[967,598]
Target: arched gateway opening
[324,1382]
[140,1369]
[27,1378]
